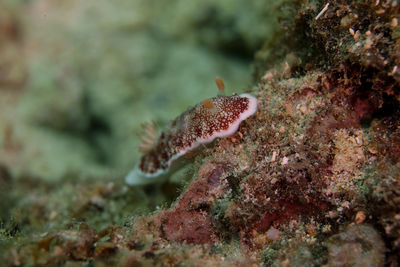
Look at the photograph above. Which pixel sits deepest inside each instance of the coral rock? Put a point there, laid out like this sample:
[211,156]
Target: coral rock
[358,245]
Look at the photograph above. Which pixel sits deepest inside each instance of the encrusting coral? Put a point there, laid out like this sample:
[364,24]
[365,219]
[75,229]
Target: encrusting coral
[215,117]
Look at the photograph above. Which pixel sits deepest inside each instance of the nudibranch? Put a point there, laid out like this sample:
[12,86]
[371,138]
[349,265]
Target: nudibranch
[219,116]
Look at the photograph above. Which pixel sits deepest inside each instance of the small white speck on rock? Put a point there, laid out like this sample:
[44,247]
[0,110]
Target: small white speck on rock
[273,234]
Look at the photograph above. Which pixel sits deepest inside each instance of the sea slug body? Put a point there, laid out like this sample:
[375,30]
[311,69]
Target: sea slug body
[215,117]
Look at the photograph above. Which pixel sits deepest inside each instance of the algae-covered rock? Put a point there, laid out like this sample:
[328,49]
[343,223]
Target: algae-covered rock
[358,245]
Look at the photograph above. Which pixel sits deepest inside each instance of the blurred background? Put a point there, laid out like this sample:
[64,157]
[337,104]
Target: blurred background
[78,78]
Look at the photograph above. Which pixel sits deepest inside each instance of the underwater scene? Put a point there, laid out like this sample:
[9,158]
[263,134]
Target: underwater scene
[199,133]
